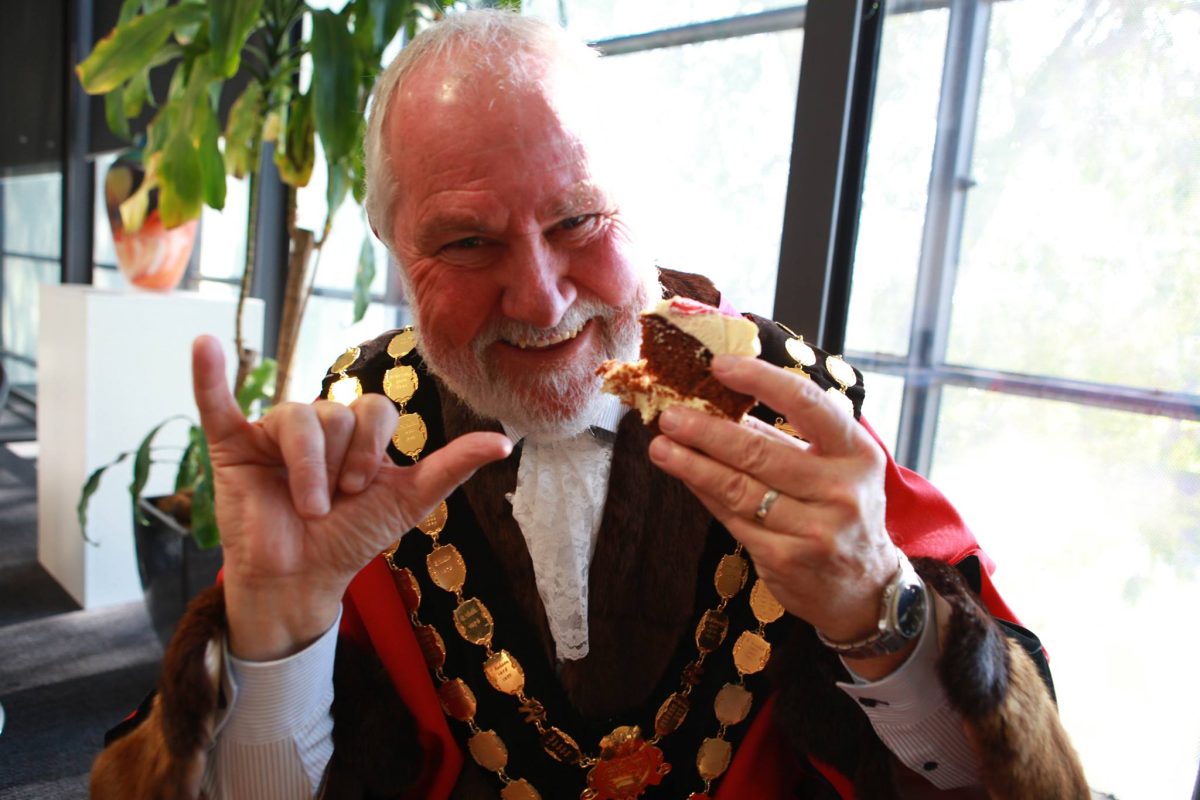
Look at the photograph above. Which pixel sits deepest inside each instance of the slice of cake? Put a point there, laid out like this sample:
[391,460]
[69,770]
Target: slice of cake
[679,339]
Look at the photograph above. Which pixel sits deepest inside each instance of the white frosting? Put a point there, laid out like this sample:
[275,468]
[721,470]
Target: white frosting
[721,333]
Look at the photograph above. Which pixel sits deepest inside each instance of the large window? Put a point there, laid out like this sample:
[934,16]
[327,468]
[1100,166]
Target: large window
[31,247]
[709,92]
[1024,293]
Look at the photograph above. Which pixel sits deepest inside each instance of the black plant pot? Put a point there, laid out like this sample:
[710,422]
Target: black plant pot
[172,568]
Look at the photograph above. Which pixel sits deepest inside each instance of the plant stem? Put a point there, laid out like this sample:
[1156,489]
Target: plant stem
[244,354]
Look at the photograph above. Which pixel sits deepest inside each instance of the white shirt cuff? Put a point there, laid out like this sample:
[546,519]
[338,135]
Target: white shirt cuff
[911,714]
[272,700]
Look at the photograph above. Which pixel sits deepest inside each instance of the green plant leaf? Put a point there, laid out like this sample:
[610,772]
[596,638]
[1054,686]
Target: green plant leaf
[141,466]
[136,94]
[89,488]
[212,163]
[114,113]
[358,173]
[295,152]
[185,476]
[336,186]
[229,25]
[180,180]
[128,48]
[204,516]
[389,16]
[363,278]
[129,10]
[243,132]
[335,84]
[259,385]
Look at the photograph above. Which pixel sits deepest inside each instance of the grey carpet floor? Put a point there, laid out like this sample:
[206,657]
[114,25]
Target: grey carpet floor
[66,675]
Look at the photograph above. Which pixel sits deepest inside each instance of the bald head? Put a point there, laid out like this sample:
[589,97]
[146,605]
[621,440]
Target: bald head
[461,67]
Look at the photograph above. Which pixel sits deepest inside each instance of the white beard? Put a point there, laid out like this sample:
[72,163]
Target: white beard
[549,405]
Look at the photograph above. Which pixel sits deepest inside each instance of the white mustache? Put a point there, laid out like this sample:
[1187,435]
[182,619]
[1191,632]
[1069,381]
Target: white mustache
[524,335]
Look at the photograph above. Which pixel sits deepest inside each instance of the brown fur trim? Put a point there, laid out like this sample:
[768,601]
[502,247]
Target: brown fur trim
[376,752]
[163,758]
[189,697]
[141,765]
[1009,714]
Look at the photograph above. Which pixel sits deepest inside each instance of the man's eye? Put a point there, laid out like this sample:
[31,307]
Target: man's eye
[469,243]
[570,223]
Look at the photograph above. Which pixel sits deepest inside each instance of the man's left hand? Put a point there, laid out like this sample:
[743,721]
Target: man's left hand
[822,548]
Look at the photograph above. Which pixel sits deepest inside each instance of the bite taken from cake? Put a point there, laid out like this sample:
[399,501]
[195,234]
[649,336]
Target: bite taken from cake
[680,337]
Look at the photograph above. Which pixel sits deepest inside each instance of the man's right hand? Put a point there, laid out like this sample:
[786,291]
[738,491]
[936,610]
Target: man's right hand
[305,498]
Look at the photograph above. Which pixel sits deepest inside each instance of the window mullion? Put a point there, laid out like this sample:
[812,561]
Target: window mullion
[962,76]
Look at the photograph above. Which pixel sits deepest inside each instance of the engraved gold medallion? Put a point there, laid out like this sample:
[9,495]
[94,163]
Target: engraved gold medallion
[410,435]
[446,567]
[799,350]
[671,714]
[751,653]
[730,576]
[764,605]
[433,649]
[473,621]
[713,758]
[732,704]
[561,746]
[346,360]
[504,673]
[627,765]
[457,699]
[400,383]
[407,586]
[842,372]
[711,630]
[519,790]
[433,524]
[345,390]
[402,343]
[488,750]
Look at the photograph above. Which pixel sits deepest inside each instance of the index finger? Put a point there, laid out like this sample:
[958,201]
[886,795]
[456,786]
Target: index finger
[800,399]
[219,413]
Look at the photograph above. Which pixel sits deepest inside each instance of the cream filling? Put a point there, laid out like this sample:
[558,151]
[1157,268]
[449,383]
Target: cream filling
[720,333]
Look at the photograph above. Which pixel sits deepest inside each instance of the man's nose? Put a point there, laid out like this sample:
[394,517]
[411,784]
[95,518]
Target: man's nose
[538,290]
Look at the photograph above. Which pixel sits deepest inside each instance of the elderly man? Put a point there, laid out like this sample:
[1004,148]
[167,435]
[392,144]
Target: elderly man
[577,618]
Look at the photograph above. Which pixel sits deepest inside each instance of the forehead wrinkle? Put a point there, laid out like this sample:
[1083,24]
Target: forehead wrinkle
[583,195]
[456,210]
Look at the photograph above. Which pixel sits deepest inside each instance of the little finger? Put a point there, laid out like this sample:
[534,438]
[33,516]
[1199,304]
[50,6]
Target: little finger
[375,419]
[337,427]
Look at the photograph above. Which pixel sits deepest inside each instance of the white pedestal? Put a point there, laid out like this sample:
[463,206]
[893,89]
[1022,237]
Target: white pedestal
[112,365]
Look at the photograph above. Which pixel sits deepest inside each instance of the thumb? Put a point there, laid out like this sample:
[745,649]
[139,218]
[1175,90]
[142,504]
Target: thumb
[417,489]
[220,415]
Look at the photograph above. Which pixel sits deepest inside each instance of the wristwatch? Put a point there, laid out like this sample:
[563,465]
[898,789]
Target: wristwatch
[901,617]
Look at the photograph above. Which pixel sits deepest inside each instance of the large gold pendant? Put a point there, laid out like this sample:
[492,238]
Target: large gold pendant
[627,765]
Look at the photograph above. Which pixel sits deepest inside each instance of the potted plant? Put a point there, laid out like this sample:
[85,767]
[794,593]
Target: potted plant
[255,48]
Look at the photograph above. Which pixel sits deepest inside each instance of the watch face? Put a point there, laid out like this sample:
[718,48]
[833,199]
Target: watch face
[910,610]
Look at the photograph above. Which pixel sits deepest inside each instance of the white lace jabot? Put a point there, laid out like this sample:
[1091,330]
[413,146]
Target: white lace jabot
[559,501]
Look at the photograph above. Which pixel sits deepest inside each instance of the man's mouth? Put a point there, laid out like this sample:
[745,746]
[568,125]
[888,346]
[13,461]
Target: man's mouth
[542,341]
